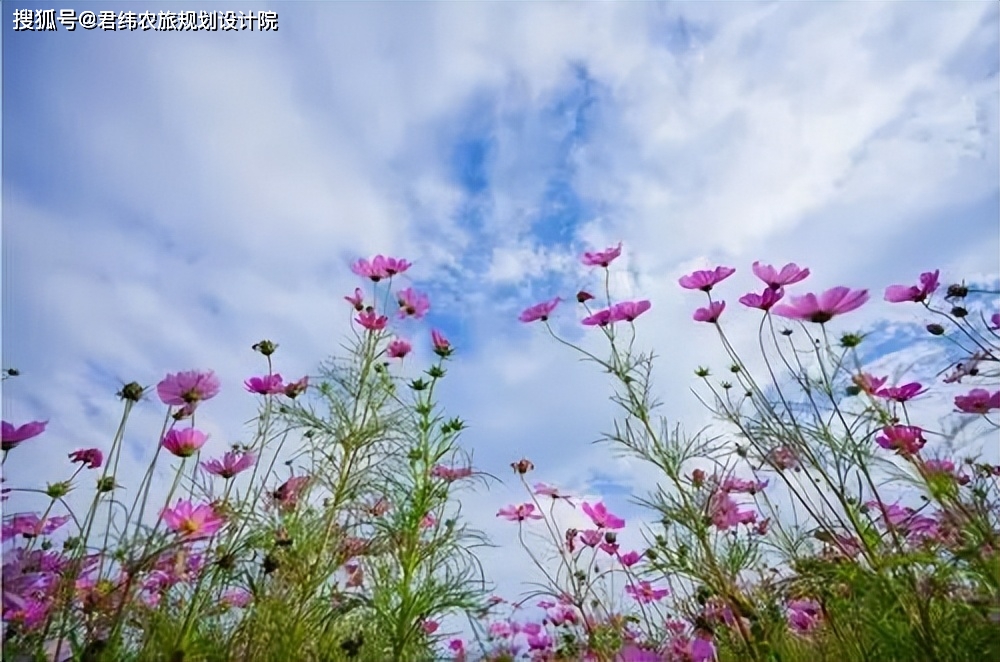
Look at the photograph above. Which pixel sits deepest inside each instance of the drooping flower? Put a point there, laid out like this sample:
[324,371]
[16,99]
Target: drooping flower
[628,310]
[539,312]
[413,303]
[192,521]
[358,300]
[265,385]
[904,439]
[296,388]
[901,393]
[430,627]
[764,301]
[184,443]
[442,347]
[188,388]
[869,383]
[11,436]
[916,293]
[399,348]
[519,513]
[590,537]
[775,280]
[629,559]
[600,318]
[92,457]
[705,280]
[977,401]
[603,258]
[371,320]
[288,493]
[645,593]
[583,296]
[602,519]
[821,309]
[231,464]
[710,314]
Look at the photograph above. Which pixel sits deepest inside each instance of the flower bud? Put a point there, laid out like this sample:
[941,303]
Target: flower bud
[959,311]
[935,329]
[957,292]
[265,347]
[583,296]
[58,490]
[131,391]
[522,466]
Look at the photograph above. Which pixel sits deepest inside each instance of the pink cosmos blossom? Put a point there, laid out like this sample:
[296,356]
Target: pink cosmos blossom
[519,513]
[11,436]
[775,280]
[732,484]
[966,368]
[583,296]
[265,385]
[602,258]
[804,615]
[632,653]
[821,309]
[725,512]
[561,614]
[539,312]
[539,641]
[399,348]
[902,393]
[868,383]
[288,493]
[609,548]
[413,303]
[441,345]
[710,314]
[916,293]
[427,521]
[600,318]
[645,593]
[629,559]
[231,464]
[450,474]
[590,537]
[995,320]
[977,401]
[904,439]
[188,388]
[236,597]
[390,266]
[702,649]
[28,525]
[371,320]
[358,300]
[944,468]
[764,300]
[783,457]
[192,521]
[602,519]
[296,388]
[92,457]
[553,492]
[184,443]
[628,310]
[705,280]
[430,627]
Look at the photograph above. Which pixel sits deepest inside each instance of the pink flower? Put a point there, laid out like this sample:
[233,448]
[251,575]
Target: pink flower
[705,280]
[944,468]
[628,310]
[371,320]
[519,513]
[539,312]
[804,615]
[549,491]
[632,653]
[266,385]
[629,559]
[390,266]
[725,513]
[231,464]
[92,457]
[789,274]
[590,537]
[184,443]
[702,649]
[413,303]
[916,293]
[451,474]
[977,401]
[430,627]
[192,521]
[358,300]
[600,318]
[188,388]
[602,519]
[821,309]
[710,314]
[11,436]
[297,388]
[732,484]
[236,597]
[427,521]
[288,493]
[603,258]
[901,393]
[399,348]
[764,301]
[995,320]
[29,525]
[441,345]
[904,439]
[645,593]
[868,383]
[783,457]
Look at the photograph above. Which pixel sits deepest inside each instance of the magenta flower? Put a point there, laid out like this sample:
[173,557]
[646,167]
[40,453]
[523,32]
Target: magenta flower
[945,468]
[236,597]
[702,649]
[628,310]
[916,293]
[442,347]
[591,537]
[399,348]
[821,309]
[539,312]
[869,383]
[600,318]
[735,485]
[904,439]
[389,266]
[705,280]
[288,493]
[29,525]
[645,593]
[266,385]
[789,274]
[977,401]
[358,300]
[995,320]
[725,512]
[629,559]
[450,474]
[11,436]
[92,457]
[602,258]
[413,303]
[549,491]
[375,270]
[804,615]
[184,443]
[231,464]
[632,653]
[710,314]
[371,320]
[764,301]
[430,627]
[902,393]
[188,388]
[602,519]
[192,521]
[519,513]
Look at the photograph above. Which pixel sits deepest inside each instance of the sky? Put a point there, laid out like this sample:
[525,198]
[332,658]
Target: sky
[169,199]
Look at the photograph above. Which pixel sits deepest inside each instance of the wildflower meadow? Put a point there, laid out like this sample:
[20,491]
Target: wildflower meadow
[821,517]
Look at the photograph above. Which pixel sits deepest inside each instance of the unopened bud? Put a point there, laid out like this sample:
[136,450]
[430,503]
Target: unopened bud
[935,329]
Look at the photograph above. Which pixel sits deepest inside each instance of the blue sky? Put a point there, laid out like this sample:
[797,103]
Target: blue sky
[170,199]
